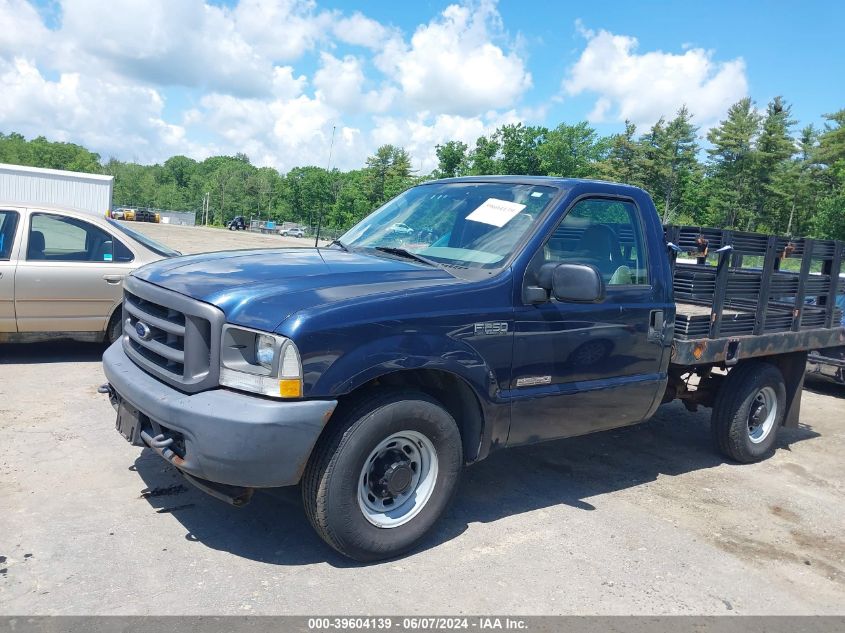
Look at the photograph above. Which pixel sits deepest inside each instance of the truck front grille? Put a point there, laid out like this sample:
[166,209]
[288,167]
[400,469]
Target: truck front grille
[171,336]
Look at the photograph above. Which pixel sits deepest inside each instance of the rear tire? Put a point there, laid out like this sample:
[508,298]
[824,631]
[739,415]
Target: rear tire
[383,474]
[114,330]
[749,411]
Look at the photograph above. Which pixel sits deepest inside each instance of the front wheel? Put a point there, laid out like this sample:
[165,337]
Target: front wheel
[383,474]
[749,411]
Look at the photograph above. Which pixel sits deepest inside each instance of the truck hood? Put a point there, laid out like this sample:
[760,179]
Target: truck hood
[262,288]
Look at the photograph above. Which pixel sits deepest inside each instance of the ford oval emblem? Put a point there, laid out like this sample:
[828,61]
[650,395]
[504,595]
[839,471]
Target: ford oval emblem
[144,331]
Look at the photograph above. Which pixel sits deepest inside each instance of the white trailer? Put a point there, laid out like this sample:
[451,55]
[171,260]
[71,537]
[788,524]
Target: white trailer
[68,189]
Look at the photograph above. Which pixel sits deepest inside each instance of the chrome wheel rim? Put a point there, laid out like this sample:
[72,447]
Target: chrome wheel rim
[761,418]
[397,479]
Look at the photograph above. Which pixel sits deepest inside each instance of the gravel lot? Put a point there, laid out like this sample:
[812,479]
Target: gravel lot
[645,520]
[200,239]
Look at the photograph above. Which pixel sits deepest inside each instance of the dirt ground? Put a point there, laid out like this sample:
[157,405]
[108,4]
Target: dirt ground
[644,520]
[200,239]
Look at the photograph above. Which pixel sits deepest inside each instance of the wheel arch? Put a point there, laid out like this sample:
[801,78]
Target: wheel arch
[453,391]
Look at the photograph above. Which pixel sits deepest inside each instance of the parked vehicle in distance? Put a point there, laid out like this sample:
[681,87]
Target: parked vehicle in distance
[370,372]
[62,272]
[401,228]
[146,215]
[237,223]
[296,232]
[829,364]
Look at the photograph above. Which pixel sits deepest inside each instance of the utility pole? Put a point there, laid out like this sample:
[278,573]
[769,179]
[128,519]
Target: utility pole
[206,205]
[328,173]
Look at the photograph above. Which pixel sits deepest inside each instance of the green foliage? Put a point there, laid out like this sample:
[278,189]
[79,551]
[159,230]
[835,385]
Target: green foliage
[572,151]
[758,174]
[451,159]
[519,149]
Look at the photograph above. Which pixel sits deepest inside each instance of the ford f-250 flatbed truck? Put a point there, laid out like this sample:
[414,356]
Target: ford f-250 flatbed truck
[516,310]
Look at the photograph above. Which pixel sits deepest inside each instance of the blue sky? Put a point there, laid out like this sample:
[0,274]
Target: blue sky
[794,49]
[272,78]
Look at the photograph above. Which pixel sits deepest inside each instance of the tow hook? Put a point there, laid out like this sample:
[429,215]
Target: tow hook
[108,390]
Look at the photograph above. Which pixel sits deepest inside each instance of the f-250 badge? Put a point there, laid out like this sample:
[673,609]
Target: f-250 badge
[491,328]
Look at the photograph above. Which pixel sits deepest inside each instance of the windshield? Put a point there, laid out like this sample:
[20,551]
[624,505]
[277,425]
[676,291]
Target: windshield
[156,247]
[465,224]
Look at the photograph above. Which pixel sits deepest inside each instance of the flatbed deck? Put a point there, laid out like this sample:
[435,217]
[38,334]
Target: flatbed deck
[727,311]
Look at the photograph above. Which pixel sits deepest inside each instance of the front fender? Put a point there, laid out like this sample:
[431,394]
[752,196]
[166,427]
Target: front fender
[401,352]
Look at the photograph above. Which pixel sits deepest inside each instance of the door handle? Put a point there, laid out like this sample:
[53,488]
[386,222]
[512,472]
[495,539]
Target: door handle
[113,279]
[656,325]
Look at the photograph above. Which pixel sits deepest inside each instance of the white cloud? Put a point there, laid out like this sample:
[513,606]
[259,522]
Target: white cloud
[359,30]
[109,118]
[185,43]
[21,28]
[341,83]
[420,134]
[282,133]
[454,65]
[282,30]
[643,87]
[227,74]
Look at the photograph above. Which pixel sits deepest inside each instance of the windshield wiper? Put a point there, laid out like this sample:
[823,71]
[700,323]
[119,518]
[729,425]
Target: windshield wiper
[403,252]
[339,243]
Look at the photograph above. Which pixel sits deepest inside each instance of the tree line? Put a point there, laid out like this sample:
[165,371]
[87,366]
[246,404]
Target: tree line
[756,172]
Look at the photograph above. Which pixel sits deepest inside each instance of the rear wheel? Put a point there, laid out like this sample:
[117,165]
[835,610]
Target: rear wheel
[383,475]
[114,330]
[749,411]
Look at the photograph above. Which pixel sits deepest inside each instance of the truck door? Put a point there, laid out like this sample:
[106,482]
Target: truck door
[8,228]
[580,368]
[69,276]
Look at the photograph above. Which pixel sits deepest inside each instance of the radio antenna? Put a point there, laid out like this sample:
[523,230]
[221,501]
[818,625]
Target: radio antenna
[322,203]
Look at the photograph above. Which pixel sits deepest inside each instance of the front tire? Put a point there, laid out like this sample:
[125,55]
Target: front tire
[383,475]
[749,411]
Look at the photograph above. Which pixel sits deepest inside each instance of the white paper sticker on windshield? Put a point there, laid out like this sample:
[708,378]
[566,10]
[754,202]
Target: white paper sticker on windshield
[496,212]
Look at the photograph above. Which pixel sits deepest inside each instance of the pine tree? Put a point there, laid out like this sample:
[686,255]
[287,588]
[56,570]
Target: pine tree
[668,159]
[732,165]
[623,158]
[775,146]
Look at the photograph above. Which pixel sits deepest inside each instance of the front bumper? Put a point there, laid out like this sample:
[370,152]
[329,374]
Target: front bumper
[219,435]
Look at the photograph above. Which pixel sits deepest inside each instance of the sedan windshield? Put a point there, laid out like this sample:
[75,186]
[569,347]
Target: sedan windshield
[464,224]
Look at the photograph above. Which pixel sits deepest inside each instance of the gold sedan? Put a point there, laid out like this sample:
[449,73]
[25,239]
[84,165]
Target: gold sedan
[62,271]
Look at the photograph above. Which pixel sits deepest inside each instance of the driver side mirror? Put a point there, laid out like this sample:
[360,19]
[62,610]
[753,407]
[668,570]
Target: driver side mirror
[577,283]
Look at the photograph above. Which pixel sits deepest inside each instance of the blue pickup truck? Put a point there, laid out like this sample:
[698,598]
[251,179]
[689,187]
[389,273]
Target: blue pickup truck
[514,310]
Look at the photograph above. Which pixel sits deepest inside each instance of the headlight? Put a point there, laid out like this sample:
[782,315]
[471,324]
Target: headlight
[262,363]
[265,352]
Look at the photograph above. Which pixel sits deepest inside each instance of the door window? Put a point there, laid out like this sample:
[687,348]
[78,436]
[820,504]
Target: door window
[603,233]
[64,239]
[8,224]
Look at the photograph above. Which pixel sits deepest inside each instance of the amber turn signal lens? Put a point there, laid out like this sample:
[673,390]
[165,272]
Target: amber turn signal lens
[290,388]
